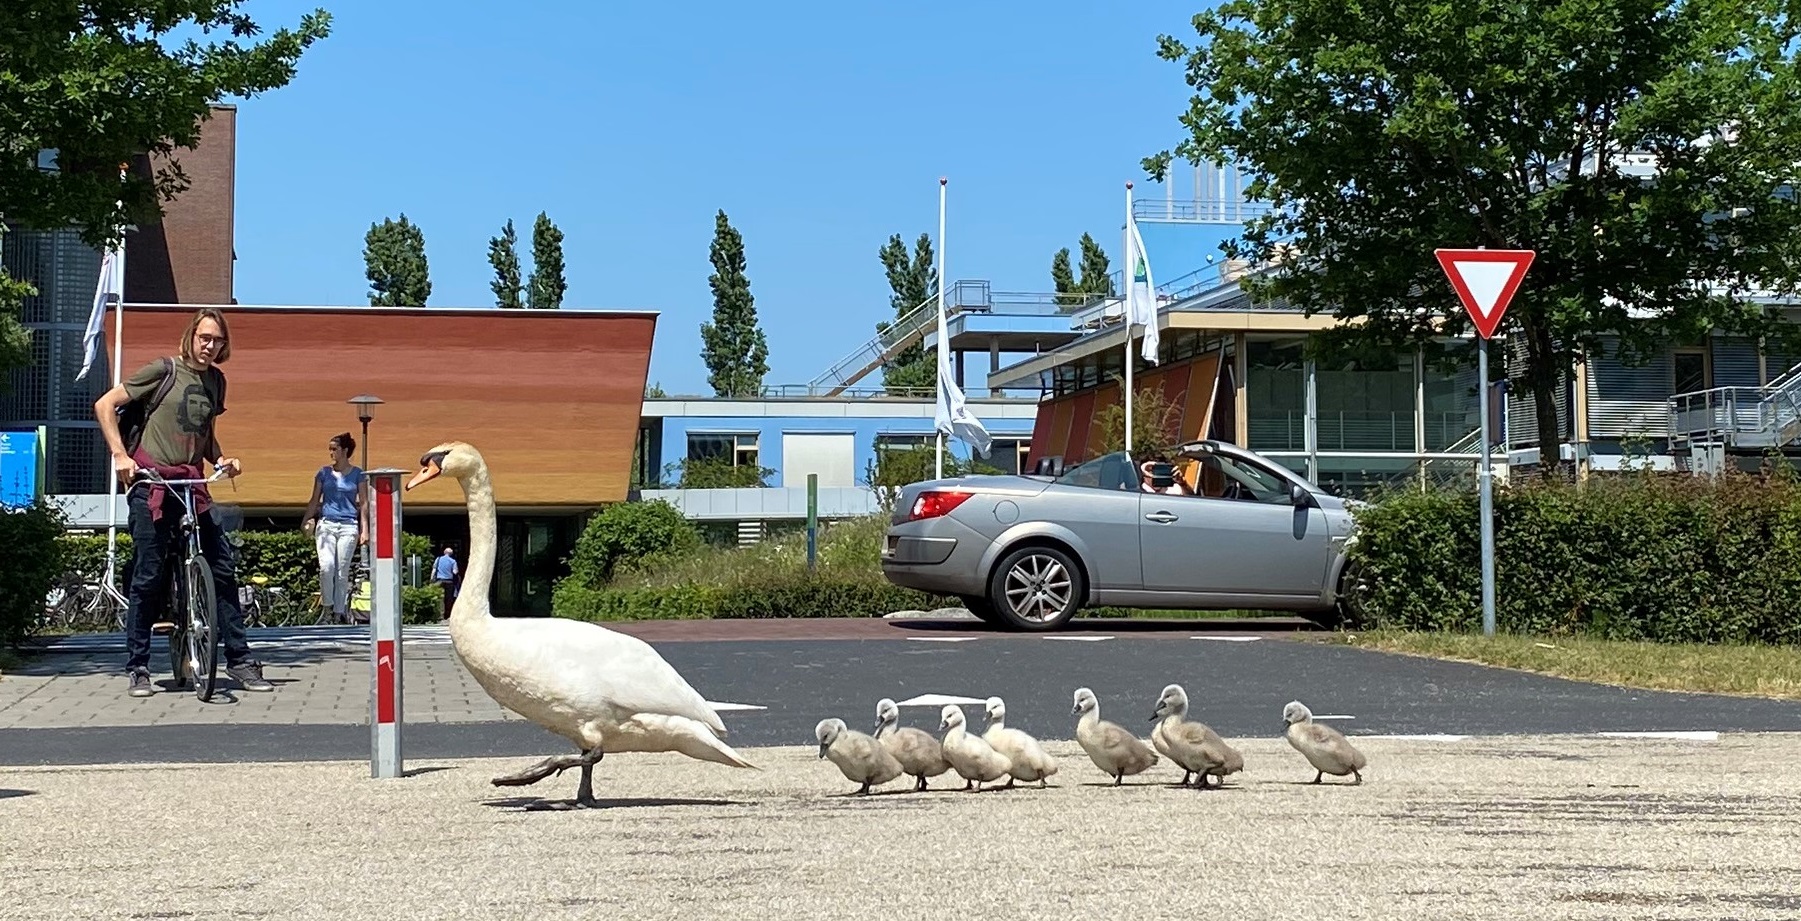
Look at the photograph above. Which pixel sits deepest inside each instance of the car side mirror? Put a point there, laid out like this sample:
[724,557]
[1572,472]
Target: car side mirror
[1298,495]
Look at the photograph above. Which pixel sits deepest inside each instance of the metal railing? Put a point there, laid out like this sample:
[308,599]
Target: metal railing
[1738,417]
[967,296]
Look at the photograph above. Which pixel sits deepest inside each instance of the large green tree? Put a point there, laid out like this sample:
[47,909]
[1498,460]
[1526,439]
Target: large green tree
[503,255]
[733,346]
[1416,124]
[395,264]
[547,283]
[94,85]
[913,280]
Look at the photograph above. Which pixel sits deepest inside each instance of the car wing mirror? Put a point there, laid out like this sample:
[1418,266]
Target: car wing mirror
[1299,495]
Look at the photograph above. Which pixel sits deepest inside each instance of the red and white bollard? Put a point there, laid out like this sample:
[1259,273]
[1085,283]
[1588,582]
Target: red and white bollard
[384,626]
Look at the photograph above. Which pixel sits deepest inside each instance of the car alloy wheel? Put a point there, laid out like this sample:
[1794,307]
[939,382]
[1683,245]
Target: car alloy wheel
[1037,588]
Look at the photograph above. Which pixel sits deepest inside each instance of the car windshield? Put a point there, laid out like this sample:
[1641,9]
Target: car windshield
[1109,471]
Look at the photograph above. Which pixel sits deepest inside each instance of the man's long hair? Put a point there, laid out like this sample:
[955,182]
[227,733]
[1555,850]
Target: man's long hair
[187,338]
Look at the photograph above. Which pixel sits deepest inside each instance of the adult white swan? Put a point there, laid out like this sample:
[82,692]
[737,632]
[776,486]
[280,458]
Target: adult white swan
[604,691]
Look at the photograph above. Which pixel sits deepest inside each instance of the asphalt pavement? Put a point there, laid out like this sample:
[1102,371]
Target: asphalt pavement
[774,692]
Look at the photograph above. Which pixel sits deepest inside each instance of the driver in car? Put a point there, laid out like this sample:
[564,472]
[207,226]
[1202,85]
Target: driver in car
[1149,471]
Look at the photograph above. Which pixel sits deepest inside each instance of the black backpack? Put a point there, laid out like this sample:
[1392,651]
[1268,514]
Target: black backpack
[134,414]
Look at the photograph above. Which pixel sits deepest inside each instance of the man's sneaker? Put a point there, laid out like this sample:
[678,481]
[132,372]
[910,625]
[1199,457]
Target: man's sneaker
[249,673]
[140,683]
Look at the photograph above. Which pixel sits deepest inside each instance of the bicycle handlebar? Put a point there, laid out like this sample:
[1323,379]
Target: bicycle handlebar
[151,476]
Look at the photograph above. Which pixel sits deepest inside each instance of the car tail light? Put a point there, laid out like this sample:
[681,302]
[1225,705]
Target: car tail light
[933,503]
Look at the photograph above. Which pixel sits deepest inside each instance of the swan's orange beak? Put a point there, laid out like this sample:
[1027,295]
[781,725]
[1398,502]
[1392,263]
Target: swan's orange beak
[426,473]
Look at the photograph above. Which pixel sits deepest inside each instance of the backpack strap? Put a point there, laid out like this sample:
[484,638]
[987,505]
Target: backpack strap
[136,435]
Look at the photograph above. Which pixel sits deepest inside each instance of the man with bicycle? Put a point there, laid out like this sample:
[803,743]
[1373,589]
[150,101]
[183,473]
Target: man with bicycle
[176,439]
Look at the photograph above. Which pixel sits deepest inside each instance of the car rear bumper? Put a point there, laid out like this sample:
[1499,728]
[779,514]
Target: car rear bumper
[938,556]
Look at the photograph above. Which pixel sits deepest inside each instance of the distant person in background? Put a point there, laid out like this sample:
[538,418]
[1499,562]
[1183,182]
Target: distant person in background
[444,572]
[337,517]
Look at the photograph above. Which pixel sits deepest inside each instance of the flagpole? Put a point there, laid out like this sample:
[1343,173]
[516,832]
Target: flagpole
[1126,310]
[112,480]
[938,470]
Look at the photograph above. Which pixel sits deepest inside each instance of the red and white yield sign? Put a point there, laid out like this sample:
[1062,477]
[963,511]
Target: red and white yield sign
[1485,280]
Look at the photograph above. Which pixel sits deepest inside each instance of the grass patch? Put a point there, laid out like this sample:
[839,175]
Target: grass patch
[1746,670]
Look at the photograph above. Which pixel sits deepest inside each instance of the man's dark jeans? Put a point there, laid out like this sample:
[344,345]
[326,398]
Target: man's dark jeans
[151,545]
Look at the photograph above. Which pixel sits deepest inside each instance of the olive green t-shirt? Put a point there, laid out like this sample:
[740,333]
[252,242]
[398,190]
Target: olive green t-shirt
[181,429]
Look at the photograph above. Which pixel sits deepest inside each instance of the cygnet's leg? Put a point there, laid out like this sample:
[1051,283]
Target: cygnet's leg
[584,791]
[1119,779]
[1186,776]
[555,764]
[864,791]
[920,782]
[1319,776]
[1359,778]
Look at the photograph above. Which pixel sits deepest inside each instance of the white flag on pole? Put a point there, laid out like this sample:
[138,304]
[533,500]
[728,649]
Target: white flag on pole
[1141,291]
[953,417]
[106,292]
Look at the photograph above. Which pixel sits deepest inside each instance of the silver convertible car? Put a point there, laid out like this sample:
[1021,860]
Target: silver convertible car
[1212,527]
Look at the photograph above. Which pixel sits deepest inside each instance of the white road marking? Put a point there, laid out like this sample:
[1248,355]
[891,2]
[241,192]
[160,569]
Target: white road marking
[939,700]
[1080,638]
[943,639]
[1333,716]
[727,706]
[1228,639]
[1706,735]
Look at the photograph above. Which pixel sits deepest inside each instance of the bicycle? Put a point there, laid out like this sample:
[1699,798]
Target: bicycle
[192,596]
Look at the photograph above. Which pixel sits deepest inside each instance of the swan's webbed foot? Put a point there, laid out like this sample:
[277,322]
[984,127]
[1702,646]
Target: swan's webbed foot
[556,764]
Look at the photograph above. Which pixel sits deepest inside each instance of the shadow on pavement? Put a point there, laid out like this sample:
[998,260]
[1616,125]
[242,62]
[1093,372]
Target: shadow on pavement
[15,794]
[539,804]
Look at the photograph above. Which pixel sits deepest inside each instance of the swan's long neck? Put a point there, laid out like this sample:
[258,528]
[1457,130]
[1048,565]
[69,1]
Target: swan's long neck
[478,495]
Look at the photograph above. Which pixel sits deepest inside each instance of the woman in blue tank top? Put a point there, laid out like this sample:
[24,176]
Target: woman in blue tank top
[337,517]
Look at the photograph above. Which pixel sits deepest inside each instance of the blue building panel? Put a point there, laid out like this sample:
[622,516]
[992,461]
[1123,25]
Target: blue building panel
[863,430]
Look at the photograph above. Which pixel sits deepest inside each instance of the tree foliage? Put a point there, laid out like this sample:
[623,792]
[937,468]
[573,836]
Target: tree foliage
[547,282]
[395,263]
[15,339]
[1094,279]
[101,83]
[503,255]
[913,280]
[733,346]
[1642,148]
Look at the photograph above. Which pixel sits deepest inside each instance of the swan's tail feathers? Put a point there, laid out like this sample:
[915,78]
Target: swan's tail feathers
[696,740]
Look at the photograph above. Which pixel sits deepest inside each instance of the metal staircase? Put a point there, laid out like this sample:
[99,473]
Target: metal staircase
[1738,419]
[967,296]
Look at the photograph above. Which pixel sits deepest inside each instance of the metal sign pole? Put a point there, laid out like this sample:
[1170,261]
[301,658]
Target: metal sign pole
[384,626]
[1485,481]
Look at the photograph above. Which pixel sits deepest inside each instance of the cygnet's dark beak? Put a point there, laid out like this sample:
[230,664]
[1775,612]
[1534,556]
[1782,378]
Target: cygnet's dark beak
[1074,710]
[822,748]
[1157,714]
[878,726]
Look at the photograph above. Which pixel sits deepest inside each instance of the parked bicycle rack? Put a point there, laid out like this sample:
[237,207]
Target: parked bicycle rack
[384,626]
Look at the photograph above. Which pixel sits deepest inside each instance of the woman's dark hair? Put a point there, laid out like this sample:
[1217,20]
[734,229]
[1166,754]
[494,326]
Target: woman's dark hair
[344,441]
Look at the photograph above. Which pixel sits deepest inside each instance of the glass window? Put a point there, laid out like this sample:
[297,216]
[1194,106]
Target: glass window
[1223,477]
[1008,455]
[735,449]
[1691,371]
[1109,471]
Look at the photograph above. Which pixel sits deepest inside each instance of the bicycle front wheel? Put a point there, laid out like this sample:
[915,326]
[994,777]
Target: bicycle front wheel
[203,629]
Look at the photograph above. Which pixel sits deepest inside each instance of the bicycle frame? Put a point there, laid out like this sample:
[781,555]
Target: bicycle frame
[194,643]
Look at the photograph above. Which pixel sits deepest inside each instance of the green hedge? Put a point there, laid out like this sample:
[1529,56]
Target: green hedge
[30,562]
[802,596]
[288,558]
[1669,558]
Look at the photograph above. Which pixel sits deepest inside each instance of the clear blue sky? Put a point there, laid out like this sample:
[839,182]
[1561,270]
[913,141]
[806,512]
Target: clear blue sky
[820,128]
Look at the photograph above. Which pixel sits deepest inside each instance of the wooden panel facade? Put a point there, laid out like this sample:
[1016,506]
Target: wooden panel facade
[1067,426]
[552,398]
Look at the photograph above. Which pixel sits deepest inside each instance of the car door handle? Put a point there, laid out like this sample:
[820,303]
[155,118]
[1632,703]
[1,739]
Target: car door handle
[1161,517]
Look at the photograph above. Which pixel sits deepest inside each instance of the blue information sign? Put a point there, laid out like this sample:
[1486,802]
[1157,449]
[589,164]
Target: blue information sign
[18,468]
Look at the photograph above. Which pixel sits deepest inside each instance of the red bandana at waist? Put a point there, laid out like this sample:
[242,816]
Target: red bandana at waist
[203,498]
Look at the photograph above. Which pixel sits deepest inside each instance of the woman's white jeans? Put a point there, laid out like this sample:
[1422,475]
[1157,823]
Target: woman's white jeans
[336,541]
